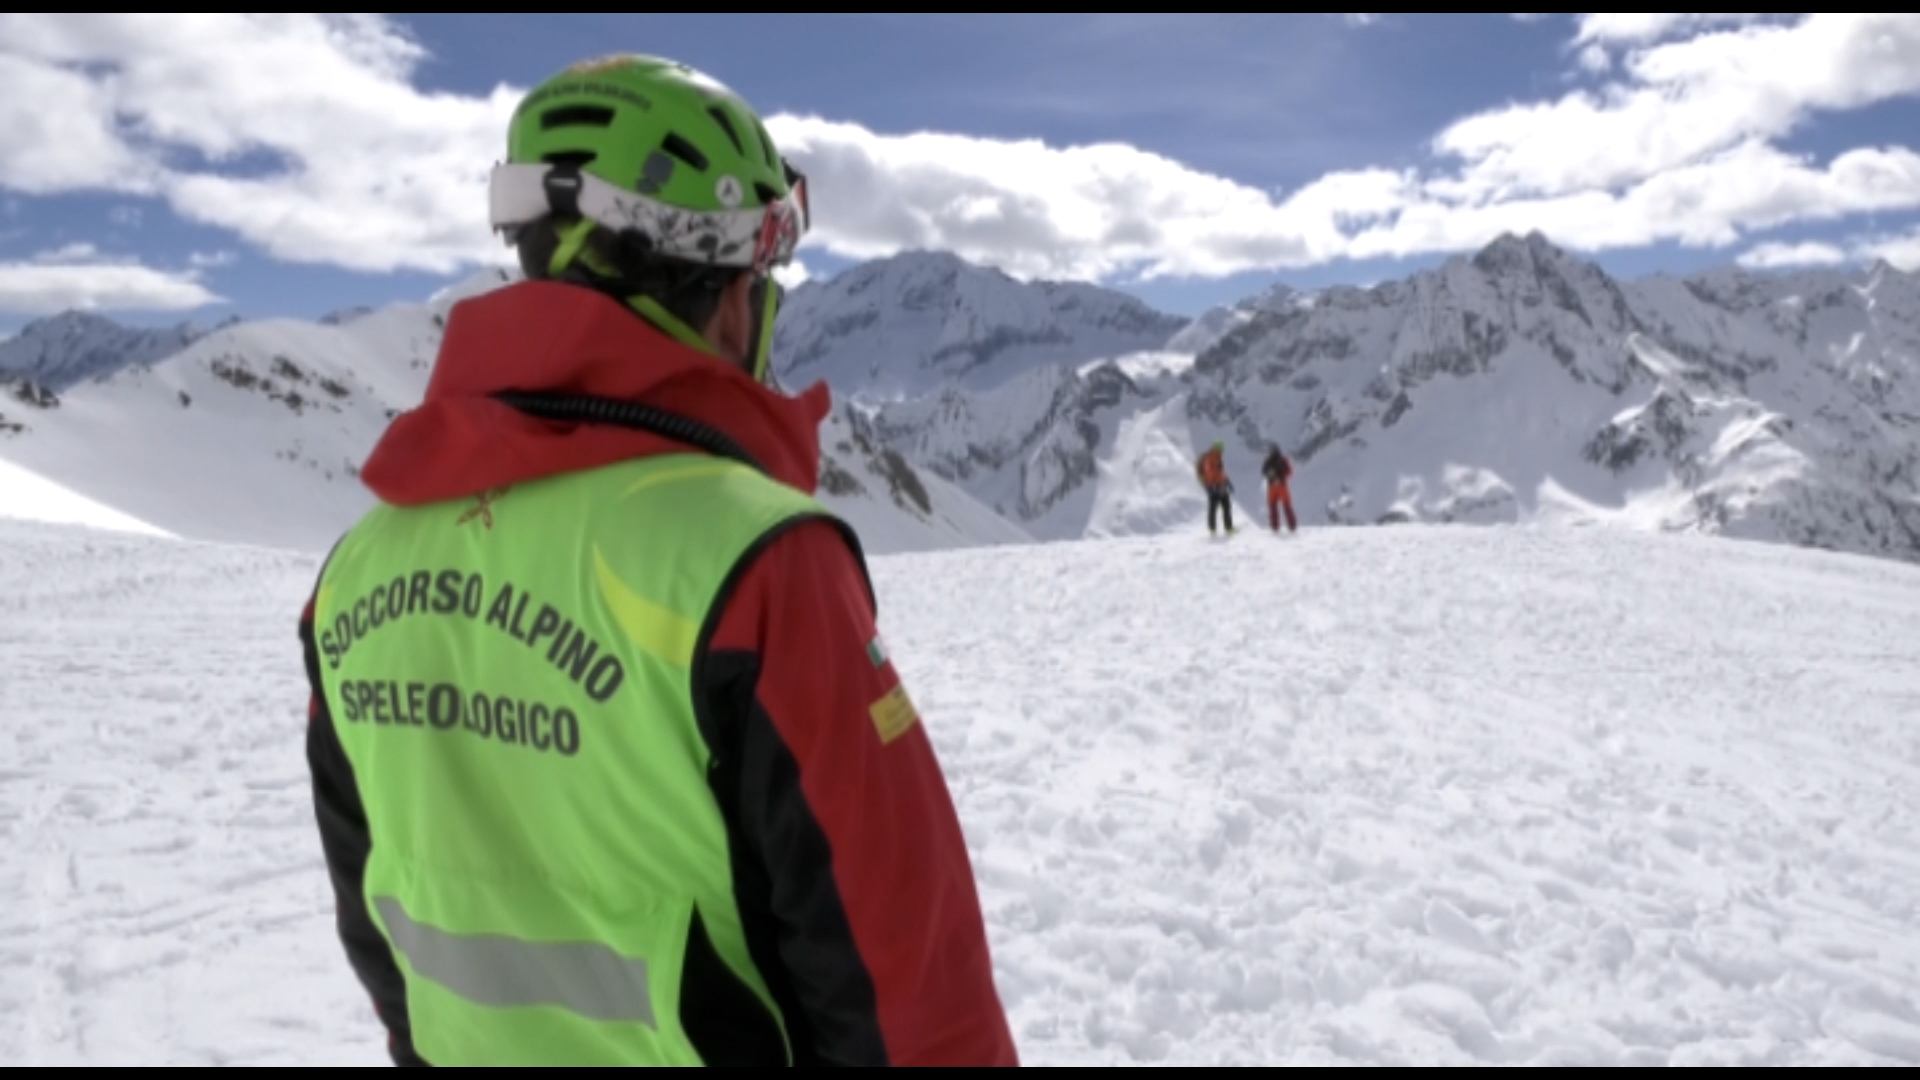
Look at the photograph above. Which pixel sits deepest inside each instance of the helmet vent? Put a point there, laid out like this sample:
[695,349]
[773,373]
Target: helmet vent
[765,191]
[720,117]
[577,159]
[766,146]
[685,151]
[576,116]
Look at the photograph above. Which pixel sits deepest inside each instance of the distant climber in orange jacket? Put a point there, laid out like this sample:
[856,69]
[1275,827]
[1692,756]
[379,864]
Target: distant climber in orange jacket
[1213,476]
[1278,471]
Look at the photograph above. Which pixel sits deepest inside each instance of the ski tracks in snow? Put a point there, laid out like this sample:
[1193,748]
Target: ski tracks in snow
[1467,797]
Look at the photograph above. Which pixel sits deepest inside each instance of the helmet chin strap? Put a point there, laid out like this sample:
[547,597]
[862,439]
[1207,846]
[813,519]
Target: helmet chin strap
[765,301]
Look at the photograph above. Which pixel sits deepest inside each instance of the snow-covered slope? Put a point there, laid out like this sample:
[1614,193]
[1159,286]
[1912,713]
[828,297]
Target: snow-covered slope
[1378,797]
[1520,384]
[251,435]
[25,496]
[1067,453]
[921,320]
[71,348]
[254,434]
[893,506]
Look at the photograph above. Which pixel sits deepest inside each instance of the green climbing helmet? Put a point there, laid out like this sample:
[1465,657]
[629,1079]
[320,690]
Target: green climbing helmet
[645,145]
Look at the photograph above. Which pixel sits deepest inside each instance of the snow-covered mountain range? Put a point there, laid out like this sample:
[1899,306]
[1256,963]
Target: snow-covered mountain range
[924,320]
[251,434]
[254,434]
[1520,384]
[65,350]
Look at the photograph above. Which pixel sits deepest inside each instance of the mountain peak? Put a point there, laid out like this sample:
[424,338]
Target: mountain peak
[61,351]
[70,322]
[1276,298]
[1510,250]
[916,320]
[934,257]
[934,261]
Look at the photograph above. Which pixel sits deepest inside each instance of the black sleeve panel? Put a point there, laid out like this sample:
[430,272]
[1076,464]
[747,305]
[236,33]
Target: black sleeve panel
[345,842]
[784,879]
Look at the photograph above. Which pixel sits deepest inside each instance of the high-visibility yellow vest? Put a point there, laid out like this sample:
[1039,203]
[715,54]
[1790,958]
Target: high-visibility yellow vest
[510,677]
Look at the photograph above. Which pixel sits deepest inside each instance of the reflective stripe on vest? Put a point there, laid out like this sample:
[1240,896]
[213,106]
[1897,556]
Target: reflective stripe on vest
[588,979]
[510,677]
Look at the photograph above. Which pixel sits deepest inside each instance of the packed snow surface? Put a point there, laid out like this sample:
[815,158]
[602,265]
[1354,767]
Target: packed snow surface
[1400,796]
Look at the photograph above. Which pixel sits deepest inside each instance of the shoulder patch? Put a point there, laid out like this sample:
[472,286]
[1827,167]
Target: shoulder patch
[894,715]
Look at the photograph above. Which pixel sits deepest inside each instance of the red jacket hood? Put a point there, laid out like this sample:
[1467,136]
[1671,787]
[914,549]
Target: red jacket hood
[544,337]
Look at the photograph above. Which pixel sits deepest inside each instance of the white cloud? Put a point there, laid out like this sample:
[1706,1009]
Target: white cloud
[1531,17]
[1901,251]
[1638,27]
[372,175]
[1687,100]
[1362,18]
[368,172]
[70,254]
[79,277]
[56,125]
[1772,256]
[1713,203]
[793,275]
[1082,212]
[210,259]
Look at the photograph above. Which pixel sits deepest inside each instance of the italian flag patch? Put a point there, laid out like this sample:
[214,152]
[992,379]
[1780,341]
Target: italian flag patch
[877,652]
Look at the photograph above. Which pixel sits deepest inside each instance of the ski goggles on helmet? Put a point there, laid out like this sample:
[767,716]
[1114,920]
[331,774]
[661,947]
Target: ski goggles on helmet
[755,239]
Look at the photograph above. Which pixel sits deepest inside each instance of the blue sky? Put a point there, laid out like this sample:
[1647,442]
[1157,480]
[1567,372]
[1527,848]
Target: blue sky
[160,167]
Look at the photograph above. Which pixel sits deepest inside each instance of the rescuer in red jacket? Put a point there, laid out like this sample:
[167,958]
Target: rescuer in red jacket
[644,331]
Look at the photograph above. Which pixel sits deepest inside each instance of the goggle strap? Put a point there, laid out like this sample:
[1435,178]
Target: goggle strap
[521,193]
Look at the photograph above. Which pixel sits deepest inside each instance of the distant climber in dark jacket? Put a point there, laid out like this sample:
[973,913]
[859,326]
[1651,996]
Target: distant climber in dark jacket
[1278,471]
